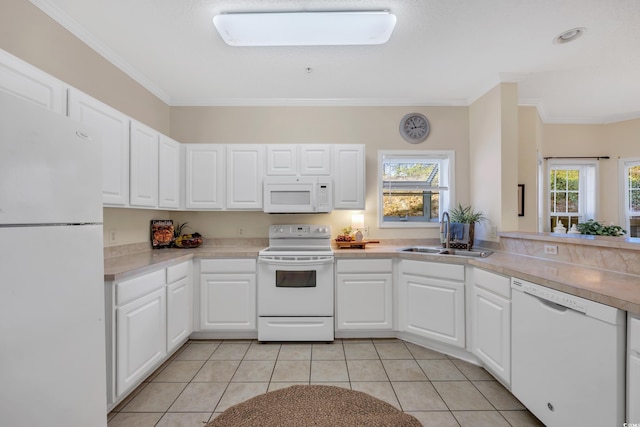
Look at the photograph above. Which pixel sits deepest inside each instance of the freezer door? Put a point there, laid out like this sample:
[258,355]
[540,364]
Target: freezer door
[52,329]
[50,168]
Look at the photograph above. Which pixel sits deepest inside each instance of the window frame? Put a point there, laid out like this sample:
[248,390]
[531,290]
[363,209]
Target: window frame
[625,214]
[426,154]
[587,190]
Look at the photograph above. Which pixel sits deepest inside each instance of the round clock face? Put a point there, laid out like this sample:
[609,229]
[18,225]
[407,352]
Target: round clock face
[414,128]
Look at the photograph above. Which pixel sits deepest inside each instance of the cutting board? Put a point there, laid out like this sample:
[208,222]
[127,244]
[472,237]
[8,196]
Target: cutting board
[355,245]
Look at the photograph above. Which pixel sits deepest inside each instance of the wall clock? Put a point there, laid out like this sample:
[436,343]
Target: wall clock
[414,127]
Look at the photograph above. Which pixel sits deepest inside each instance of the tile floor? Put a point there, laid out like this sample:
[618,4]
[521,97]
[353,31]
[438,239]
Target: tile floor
[204,378]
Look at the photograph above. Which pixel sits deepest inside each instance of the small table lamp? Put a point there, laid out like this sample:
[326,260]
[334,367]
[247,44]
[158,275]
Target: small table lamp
[357,223]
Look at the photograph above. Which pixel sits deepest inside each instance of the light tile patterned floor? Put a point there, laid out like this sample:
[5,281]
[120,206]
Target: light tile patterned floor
[204,378]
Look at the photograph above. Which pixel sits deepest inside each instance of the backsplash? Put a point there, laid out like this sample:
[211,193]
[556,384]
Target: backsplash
[607,253]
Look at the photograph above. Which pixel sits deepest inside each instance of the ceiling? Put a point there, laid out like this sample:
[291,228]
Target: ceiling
[442,52]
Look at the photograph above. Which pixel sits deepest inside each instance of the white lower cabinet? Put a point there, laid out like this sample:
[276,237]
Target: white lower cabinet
[633,369]
[148,318]
[228,294]
[490,325]
[179,305]
[140,328]
[432,302]
[364,294]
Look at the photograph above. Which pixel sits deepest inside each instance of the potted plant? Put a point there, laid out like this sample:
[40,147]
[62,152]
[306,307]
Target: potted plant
[466,215]
[595,228]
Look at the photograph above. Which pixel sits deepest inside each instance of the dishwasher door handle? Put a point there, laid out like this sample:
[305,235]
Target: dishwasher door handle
[552,305]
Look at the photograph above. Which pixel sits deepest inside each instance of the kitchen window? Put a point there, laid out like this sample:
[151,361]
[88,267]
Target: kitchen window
[415,187]
[572,192]
[630,185]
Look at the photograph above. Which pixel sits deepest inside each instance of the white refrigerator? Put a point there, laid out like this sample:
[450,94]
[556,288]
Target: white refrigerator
[52,332]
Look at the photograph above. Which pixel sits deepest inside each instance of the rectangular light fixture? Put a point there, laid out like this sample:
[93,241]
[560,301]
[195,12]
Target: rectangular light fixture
[305,28]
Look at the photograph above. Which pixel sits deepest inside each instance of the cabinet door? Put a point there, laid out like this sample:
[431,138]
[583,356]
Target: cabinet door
[228,302]
[491,332]
[315,159]
[144,166]
[364,301]
[433,308]
[25,81]
[141,338]
[114,131]
[168,173]
[349,176]
[633,368]
[245,173]
[204,176]
[179,313]
[282,159]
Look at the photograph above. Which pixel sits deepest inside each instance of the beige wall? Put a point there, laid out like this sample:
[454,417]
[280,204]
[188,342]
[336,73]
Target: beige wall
[493,126]
[529,145]
[28,33]
[614,140]
[481,136]
[376,127]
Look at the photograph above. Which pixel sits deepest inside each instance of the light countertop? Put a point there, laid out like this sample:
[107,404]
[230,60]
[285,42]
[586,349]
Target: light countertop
[620,290]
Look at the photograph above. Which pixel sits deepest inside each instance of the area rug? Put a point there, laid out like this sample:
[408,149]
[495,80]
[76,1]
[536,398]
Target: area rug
[314,405]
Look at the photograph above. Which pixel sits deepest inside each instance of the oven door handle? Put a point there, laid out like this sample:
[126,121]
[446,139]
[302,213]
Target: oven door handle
[297,261]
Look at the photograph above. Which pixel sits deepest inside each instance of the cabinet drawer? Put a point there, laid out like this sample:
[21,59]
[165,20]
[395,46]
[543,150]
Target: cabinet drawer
[634,333]
[363,266]
[140,286]
[177,272]
[433,269]
[241,265]
[492,282]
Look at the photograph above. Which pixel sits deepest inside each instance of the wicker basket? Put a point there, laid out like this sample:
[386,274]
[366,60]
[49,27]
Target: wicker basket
[463,245]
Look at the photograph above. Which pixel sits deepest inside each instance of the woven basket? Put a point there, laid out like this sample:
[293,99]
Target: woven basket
[457,244]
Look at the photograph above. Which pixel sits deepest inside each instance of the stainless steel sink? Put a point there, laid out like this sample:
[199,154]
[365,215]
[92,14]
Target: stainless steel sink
[434,250]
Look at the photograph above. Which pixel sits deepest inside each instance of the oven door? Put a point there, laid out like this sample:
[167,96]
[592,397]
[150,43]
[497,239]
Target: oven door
[296,286]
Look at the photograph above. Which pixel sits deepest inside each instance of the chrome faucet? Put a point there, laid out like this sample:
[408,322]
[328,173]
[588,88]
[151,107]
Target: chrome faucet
[446,233]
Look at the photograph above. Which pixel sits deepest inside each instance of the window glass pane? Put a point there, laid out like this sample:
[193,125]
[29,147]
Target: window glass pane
[572,202]
[561,201]
[634,200]
[634,226]
[634,177]
[414,186]
[573,178]
[403,204]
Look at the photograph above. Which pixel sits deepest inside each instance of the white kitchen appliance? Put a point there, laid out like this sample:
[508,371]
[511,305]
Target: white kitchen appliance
[297,194]
[52,331]
[295,284]
[568,357]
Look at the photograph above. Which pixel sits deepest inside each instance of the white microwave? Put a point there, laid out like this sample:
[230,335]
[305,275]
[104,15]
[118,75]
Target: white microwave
[297,194]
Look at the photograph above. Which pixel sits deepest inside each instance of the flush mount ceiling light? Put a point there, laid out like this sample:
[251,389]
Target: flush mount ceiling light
[305,28]
[569,35]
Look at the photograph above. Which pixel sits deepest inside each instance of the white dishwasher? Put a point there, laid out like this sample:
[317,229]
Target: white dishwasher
[568,357]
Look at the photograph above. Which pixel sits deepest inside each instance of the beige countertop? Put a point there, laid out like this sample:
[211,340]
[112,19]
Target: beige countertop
[619,290]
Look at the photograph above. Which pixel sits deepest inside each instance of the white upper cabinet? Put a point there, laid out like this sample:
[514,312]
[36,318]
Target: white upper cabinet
[204,176]
[245,172]
[282,159]
[169,171]
[315,159]
[349,176]
[114,131]
[299,159]
[28,82]
[144,166]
